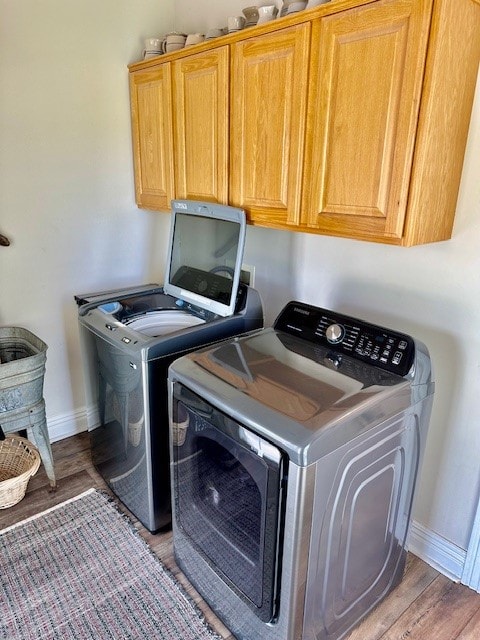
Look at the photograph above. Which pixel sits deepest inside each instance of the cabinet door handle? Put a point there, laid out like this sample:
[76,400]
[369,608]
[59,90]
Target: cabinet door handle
[4,241]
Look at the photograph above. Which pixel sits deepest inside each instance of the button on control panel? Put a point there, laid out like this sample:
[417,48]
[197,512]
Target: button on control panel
[370,343]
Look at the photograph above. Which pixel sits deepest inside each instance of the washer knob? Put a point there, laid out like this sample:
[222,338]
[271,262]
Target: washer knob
[335,333]
[334,359]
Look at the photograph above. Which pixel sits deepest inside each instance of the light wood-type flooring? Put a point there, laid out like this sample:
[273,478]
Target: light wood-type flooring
[425,606]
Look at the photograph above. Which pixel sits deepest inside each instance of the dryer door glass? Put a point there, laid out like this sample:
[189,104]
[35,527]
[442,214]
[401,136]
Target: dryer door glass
[228,498]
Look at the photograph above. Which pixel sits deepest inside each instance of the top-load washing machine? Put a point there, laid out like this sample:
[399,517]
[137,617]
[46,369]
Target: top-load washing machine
[131,336]
[295,456]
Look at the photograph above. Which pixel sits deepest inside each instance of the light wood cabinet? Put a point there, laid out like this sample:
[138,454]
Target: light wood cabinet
[382,76]
[349,119]
[365,81]
[268,109]
[201,119]
[151,110]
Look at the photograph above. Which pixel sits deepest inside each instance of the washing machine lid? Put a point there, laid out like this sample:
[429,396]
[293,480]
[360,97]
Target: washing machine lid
[205,255]
[292,384]
[161,323]
[294,378]
[290,393]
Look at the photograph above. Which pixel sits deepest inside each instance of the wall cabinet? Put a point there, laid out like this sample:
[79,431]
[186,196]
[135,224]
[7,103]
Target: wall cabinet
[152,133]
[268,110]
[365,81]
[349,119]
[180,130]
[201,118]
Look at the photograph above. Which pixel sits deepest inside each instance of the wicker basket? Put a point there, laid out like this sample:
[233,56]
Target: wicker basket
[19,461]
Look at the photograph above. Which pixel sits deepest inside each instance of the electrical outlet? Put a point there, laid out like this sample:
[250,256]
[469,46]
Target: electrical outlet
[247,275]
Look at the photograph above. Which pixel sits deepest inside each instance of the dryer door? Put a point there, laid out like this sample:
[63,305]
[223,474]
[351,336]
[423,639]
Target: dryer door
[228,498]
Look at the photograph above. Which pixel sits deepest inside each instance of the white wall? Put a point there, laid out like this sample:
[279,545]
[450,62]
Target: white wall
[192,16]
[67,204]
[66,184]
[66,177]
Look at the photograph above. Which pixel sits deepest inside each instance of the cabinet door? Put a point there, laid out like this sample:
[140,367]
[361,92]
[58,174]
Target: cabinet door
[201,125]
[268,107]
[151,107]
[365,84]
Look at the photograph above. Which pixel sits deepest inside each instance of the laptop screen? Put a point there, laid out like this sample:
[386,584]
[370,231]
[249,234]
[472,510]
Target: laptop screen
[205,254]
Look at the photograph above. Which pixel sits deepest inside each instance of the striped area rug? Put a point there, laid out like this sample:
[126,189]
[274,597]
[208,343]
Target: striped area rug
[81,571]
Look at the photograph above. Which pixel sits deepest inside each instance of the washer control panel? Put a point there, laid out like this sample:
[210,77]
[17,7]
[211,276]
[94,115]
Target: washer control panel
[367,342]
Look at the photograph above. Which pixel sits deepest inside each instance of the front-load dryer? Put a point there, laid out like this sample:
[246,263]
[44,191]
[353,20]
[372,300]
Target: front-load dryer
[130,337]
[295,455]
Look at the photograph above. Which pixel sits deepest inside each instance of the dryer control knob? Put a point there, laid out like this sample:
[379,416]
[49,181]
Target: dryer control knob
[335,333]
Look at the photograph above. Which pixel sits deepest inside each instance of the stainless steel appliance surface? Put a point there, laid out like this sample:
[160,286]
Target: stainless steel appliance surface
[131,336]
[295,453]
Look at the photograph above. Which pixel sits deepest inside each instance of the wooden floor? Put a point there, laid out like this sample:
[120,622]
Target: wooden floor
[425,606]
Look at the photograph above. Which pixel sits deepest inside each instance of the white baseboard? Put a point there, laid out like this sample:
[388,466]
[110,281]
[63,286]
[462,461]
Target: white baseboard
[438,552]
[471,570]
[70,424]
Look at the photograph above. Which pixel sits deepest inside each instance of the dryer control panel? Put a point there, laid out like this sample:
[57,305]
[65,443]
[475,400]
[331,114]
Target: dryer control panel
[379,346]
